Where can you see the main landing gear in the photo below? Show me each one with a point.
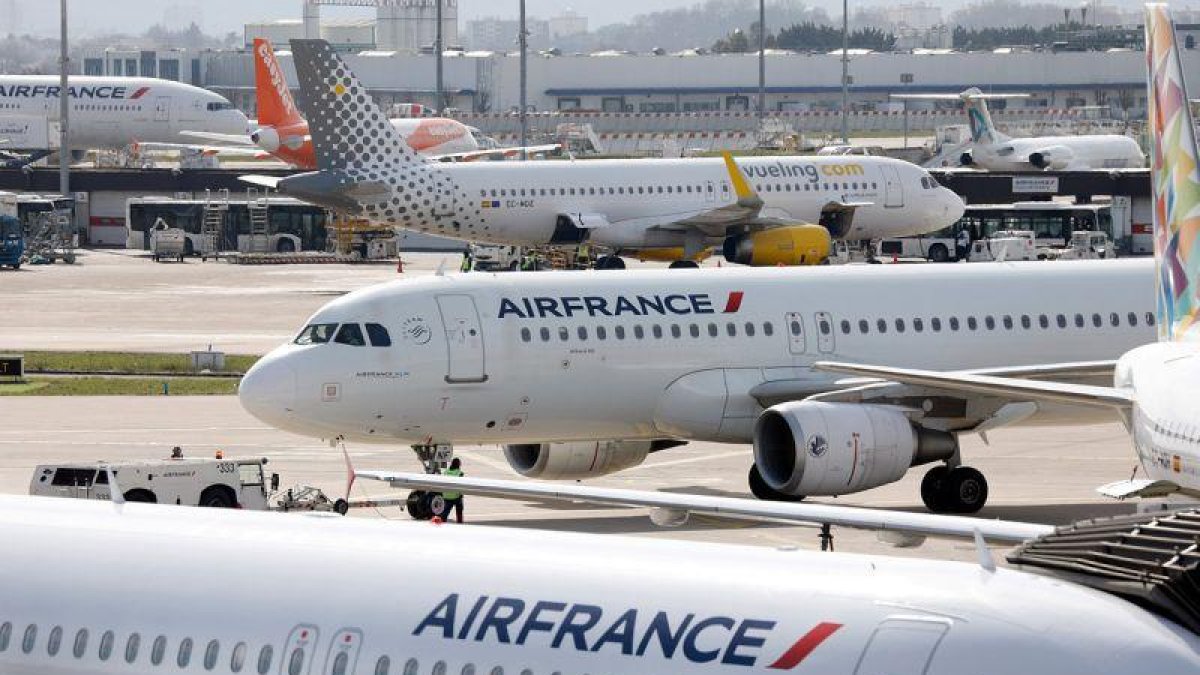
(961, 489)
(422, 504)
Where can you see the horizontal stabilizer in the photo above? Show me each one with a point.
(724, 507)
(1124, 489)
(232, 139)
(262, 181)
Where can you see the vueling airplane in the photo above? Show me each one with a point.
(1155, 386)
(995, 151)
(761, 211)
(95, 588)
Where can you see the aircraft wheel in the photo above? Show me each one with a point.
(683, 265)
(760, 489)
(435, 504)
(964, 490)
(931, 488)
(939, 253)
(610, 262)
(416, 505)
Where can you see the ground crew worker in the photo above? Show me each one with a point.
(527, 262)
(467, 261)
(963, 243)
(583, 257)
(453, 500)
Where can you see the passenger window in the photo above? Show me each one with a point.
(526, 335)
(676, 331)
(469, 669)
(794, 326)
(845, 327)
(694, 330)
(131, 648)
(350, 334)
(657, 331)
(1149, 322)
(990, 322)
(582, 333)
(5, 635)
(382, 665)
(316, 334)
(750, 328)
(439, 668)
(497, 671)
(918, 325)
(339, 664)
(545, 333)
(54, 641)
(731, 329)
(954, 323)
(411, 667)
(936, 323)
(863, 326)
(265, 655)
(1043, 321)
(157, 650)
(1025, 321)
(211, 652)
(296, 661)
(620, 332)
(1079, 321)
(899, 325)
(1132, 319)
(822, 325)
(971, 323)
(1114, 319)
(1061, 319)
(768, 328)
(601, 333)
(238, 658)
(639, 332)
(712, 330)
(1008, 322)
(185, 653)
(563, 333)
(106, 644)
(30, 638)
(881, 326)
(1096, 321)
(379, 335)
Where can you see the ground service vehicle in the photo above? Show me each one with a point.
(12, 242)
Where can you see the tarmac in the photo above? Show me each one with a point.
(121, 300)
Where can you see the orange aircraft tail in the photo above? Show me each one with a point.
(275, 104)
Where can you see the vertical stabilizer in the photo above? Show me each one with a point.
(275, 104)
(982, 129)
(1176, 183)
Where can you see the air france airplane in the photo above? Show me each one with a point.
(114, 112)
(761, 211)
(580, 374)
(100, 588)
(995, 151)
(1155, 385)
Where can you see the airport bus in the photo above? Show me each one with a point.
(1051, 222)
(292, 225)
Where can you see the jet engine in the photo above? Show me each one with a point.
(815, 448)
(966, 159)
(576, 460)
(788, 245)
(266, 138)
(1055, 157)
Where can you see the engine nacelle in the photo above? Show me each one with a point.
(788, 245)
(815, 448)
(572, 461)
(966, 159)
(1056, 157)
(266, 138)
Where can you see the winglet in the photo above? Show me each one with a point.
(741, 187)
(985, 554)
(114, 492)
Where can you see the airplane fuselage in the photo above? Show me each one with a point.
(1109, 151)
(1164, 421)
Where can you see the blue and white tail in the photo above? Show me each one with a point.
(1176, 183)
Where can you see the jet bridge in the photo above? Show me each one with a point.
(1152, 560)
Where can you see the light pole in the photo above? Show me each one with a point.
(906, 79)
(845, 72)
(762, 61)
(64, 104)
(438, 49)
(523, 41)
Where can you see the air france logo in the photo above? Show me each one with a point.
(636, 633)
(51, 91)
(542, 307)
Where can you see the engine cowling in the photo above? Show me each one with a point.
(788, 245)
(571, 461)
(266, 138)
(815, 448)
(1056, 157)
(966, 159)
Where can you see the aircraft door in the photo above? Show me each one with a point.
(825, 336)
(162, 109)
(902, 646)
(794, 325)
(464, 339)
(297, 656)
(343, 652)
(710, 191)
(892, 187)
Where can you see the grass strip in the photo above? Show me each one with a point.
(120, 386)
(123, 362)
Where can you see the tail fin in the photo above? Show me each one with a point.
(349, 131)
(1175, 180)
(982, 129)
(275, 104)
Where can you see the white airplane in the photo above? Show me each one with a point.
(113, 112)
(995, 151)
(117, 588)
(1155, 387)
(672, 208)
(580, 374)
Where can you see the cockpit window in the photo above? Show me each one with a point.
(379, 335)
(350, 334)
(316, 334)
(220, 105)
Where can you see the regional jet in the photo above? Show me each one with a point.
(761, 211)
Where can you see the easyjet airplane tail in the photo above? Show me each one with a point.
(1176, 182)
(275, 104)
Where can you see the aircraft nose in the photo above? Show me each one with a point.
(268, 390)
(953, 206)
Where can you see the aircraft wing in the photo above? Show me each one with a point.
(502, 153)
(228, 139)
(920, 524)
(990, 385)
(239, 151)
(261, 181)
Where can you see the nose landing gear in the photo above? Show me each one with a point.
(435, 458)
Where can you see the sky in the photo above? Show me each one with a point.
(96, 17)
